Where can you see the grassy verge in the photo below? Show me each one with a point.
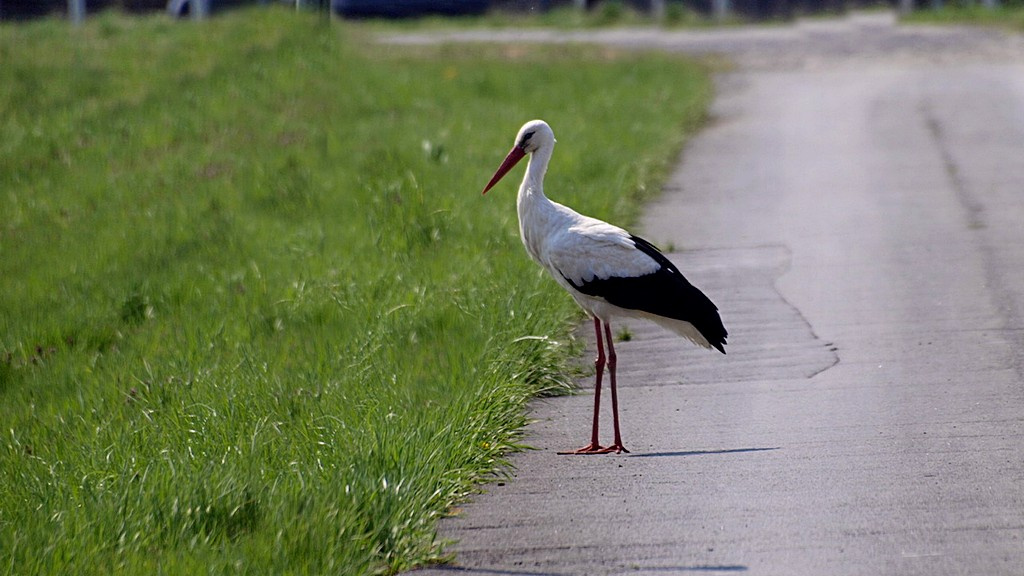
(606, 15)
(1010, 17)
(255, 316)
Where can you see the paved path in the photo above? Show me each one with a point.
(859, 219)
(858, 38)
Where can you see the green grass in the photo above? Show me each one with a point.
(255, 316)
(1010, 15)
(607, 14)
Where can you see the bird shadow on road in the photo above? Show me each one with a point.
(701, 452)
(637, 570)
(489, 571)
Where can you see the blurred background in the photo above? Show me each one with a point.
(656, 9)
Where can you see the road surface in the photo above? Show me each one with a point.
(858, 216)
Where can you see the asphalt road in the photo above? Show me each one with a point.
(859, 220)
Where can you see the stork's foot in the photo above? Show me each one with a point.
(618, 448)
(594, 448)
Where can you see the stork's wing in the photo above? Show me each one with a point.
(639, 277)
(594, 250)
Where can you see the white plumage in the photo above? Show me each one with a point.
(607, 270)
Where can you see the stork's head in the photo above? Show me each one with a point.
(534, 135)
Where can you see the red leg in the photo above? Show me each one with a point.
(595, 446)
(617, 447)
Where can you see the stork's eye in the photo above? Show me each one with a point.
(526, 138)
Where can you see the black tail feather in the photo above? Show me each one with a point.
(665, 292)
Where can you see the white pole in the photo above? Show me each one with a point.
(658, 10)
(720, 9)
(76, 11)
(200, 9)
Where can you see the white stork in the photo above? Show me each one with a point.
(609, 272)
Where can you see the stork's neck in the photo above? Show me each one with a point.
(537, 215)
(533, 182)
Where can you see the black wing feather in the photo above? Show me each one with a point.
(665, 292)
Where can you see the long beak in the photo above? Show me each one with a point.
(513, 158)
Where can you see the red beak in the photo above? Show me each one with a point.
(513, 158)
